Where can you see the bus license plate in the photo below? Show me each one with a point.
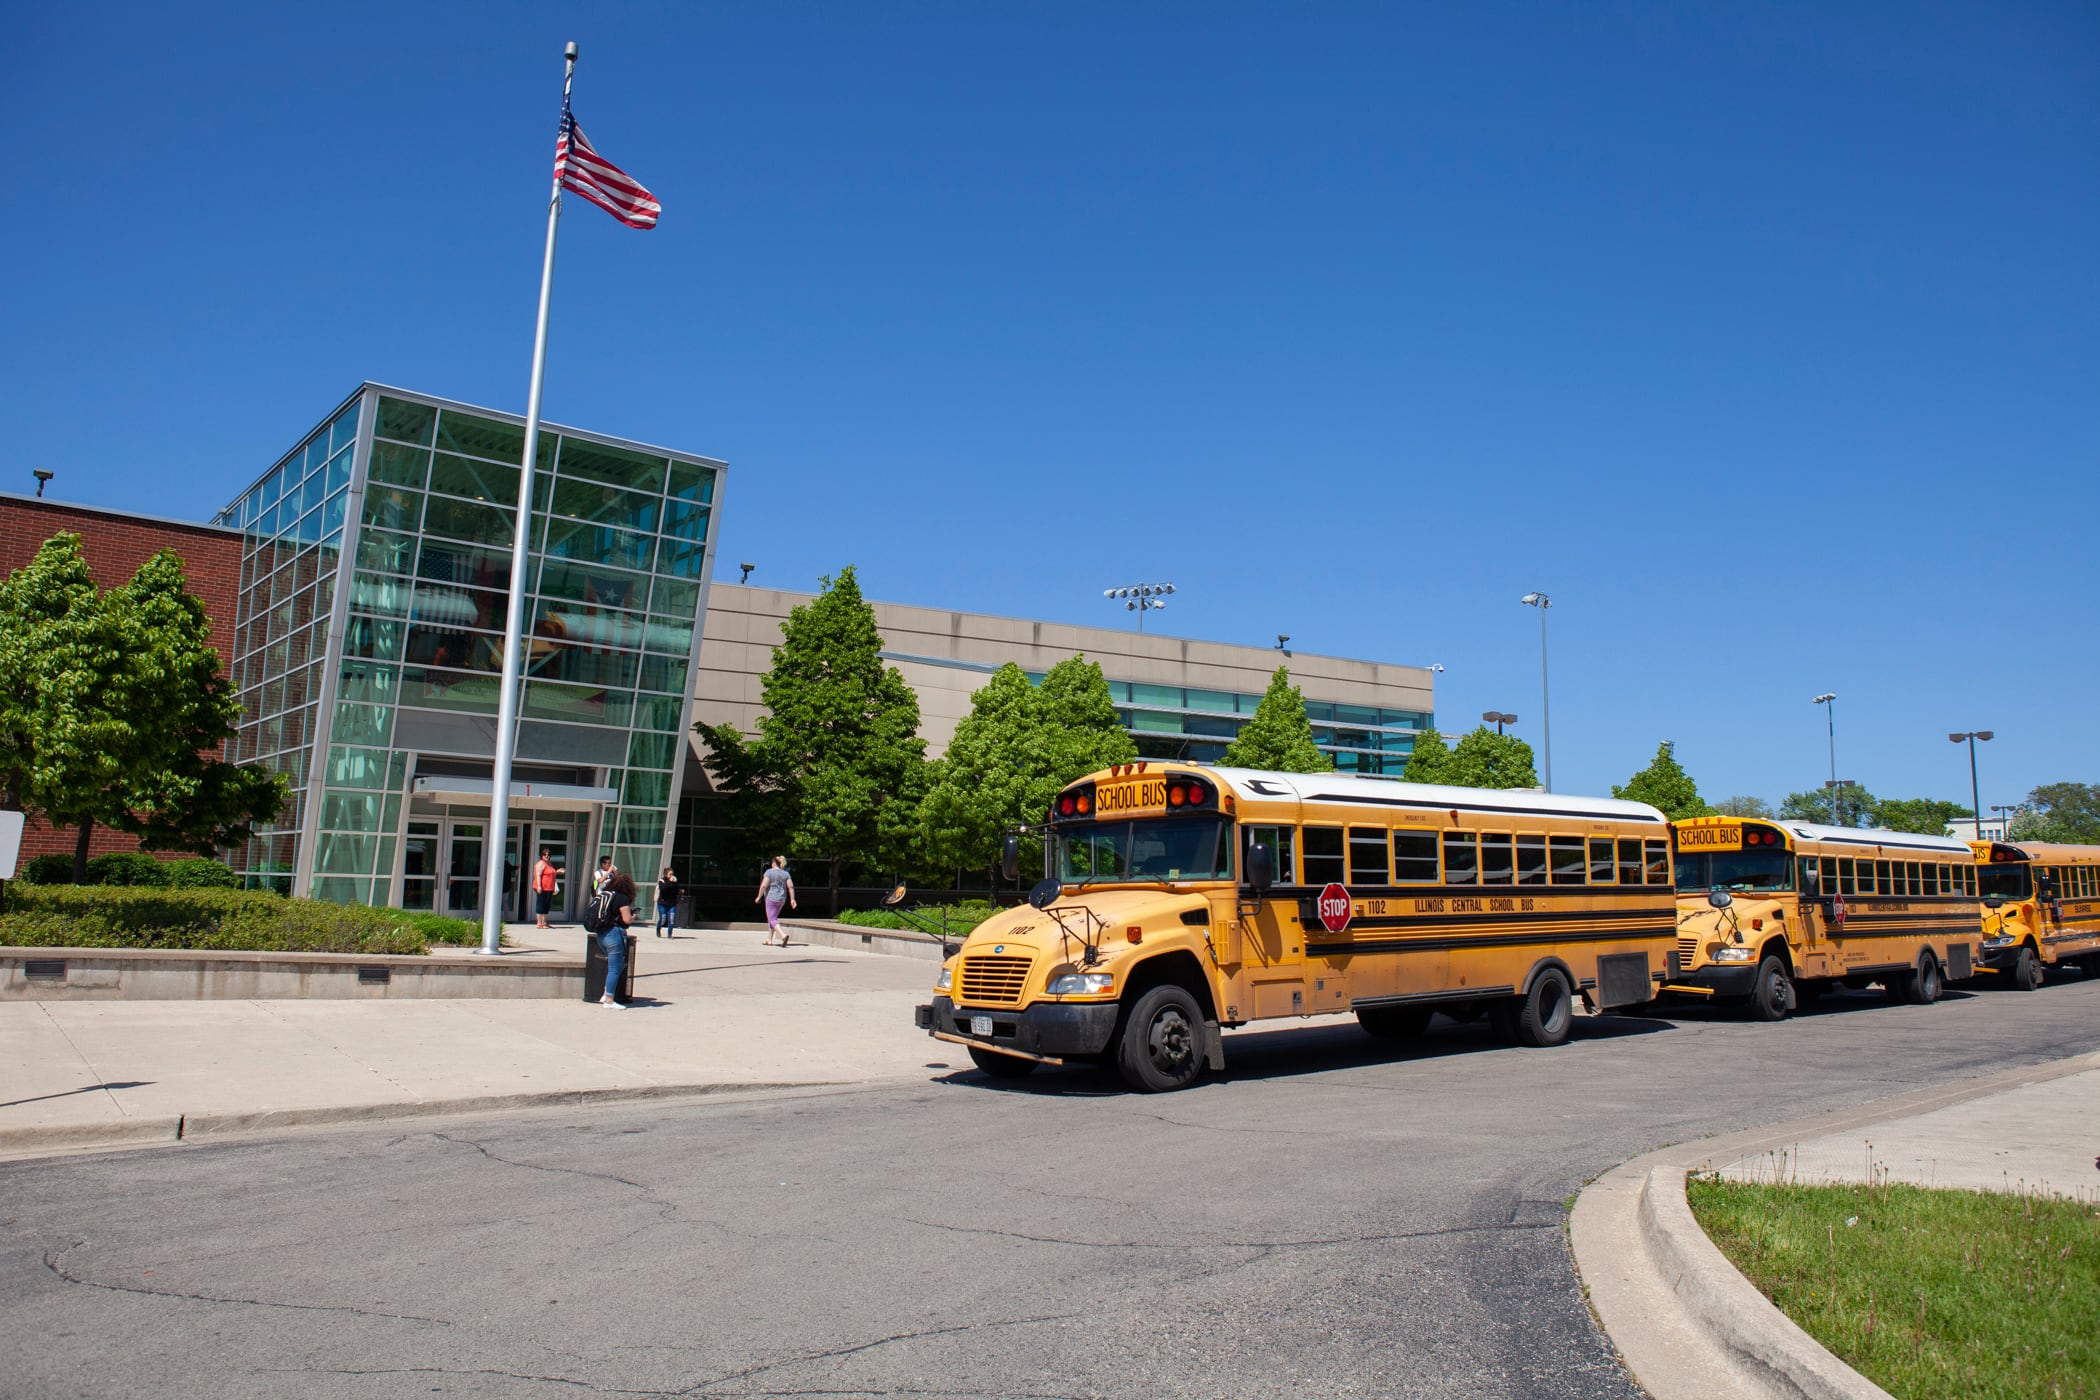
(1709, 838)
(980, 1025)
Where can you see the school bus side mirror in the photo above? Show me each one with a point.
(1010, 857)
(1261, 869)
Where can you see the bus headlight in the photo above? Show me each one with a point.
(945, 981)
(1082, 984)
(1733, 955)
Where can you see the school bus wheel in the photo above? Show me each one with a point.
(1393, 1022)
(1772, 994)
(1000, 1066)
(1161, 1045)
(1540, 1017)
(1926, 983)
(2027, 972)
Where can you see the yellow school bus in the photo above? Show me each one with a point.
(1770, 913)
(2041, 908)
(1183, 900)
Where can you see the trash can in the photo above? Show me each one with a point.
(594, 970)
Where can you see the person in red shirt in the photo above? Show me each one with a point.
(545, 875)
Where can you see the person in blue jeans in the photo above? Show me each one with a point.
(614, 939)
(666, 904)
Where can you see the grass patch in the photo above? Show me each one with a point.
(103, 916)
(961, 917)
(1970, 1294)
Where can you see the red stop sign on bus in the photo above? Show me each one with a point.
(1334, 909)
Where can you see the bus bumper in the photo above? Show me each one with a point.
(1730, 981)
(1046, 1029)
(2000, 953)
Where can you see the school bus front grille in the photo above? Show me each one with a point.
(1687, 953)
(993, 980)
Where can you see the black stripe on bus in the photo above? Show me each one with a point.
(1511, 916)
(1451, 943)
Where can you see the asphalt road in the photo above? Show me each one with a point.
(1333, 1218)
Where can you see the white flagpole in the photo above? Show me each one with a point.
(493, 891)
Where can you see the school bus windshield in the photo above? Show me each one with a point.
(1734, 870)
(1158, 848)
(2006, 881)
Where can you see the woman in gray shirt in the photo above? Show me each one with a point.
(775, 888)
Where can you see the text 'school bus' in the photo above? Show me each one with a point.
(1771, 913)
(2041, 907)
(1183, 899)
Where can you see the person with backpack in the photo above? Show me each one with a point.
(611, 914)
(775, 888)
(666, 904)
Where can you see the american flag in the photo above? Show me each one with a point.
(580, 168)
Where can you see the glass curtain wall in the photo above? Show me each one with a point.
(617, 567)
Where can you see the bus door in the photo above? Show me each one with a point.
(1270, 978)
(1817, 893)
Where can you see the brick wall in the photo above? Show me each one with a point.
(115, 543)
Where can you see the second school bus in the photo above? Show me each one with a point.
(1771, 912)
(1183, 899)
(2041, 908)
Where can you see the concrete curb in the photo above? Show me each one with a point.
(30, 1141)
(1687, 1323)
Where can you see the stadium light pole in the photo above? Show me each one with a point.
(1141, 598)
(1542, 602)
(1830, 715)
(1975, 796)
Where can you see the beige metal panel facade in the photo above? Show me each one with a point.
(947, 655)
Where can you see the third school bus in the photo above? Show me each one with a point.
(2042, 907)
(1772, 912)
(1182, 899)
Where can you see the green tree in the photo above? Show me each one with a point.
(1430, 760)
(112, 706)
(1011, 754)
(1279, 738)
(2068, 812)
(1925, 816)
(837, 768)
(1855, 806)
(1664, 785)
(1743, 807)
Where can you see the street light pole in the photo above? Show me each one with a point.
(2004, 820)
(1830, 714)
(1975, 794)
(1542, 602)
(1498, 719)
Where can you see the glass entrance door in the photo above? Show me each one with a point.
(419, 866)
(554, 838)
(463, 869)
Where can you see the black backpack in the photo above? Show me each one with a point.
(602, 914)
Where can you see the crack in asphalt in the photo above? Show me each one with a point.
(52, 1263)
(1267, 1245)
(836, 1352)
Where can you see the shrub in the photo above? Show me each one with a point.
(197, 873)
(46, 870)
(440, 928)
(127, 868)
(961, 917)
(84, 916)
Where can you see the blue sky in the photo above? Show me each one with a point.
(1765, 339)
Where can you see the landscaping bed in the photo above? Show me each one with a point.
(961, 917)
(108, 916)
(1926, 1293)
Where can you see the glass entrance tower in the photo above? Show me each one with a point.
(368, 650)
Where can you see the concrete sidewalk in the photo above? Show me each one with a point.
(714, 1011)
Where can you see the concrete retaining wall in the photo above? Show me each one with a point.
(138, 974)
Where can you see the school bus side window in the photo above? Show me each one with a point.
(1881, 878)
(1629, 861)
(1600, 860)
(1968, 881)
(1497, 866)
(1367, 856)
(1324, 864)
(1658, 862)
(1531, 860)
(1844, 876)
(1414, 857)
(1461, 858)
(1567, 860)
(1277, 841)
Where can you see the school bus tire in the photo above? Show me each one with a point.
(1926, 984)
(1772, 994)
(1160, 1046)
(1393, 1022)
(1542, 1016)
(2027, 970)
(1000, 1066)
